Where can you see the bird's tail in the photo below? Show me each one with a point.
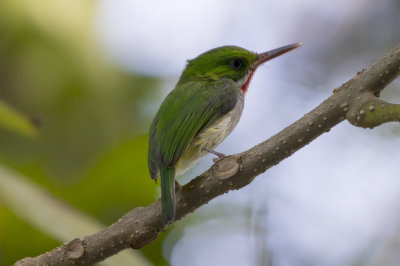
(167, 193)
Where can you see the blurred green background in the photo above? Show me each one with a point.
(91, 145)
(74, 114)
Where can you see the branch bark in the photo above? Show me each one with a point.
(356, 100)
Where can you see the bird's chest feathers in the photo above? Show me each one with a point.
(215, 133)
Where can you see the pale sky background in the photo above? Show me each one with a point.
(331, 202)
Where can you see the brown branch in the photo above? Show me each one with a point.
(142, 225)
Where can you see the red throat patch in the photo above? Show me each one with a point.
(245, 86)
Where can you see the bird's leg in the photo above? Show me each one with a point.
(214, 152)
(220, 155)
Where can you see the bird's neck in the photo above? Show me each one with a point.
(245, 82)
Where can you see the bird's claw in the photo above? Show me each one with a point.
(177, 186)
(216, 160)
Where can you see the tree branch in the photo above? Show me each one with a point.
(139, 227)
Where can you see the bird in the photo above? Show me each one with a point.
(199, 113)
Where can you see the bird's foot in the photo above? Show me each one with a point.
(177, 186)
(220, 155)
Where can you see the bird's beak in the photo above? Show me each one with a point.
(263, 57)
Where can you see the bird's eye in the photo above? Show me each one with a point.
(236, 64)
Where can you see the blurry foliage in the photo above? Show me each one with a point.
(14, 121)
(122, 165)
(91, 150)
(19, 238)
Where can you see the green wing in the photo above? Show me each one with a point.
(183, 114)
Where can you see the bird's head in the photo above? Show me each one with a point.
(229, 62)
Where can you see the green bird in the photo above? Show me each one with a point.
(200, 112)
